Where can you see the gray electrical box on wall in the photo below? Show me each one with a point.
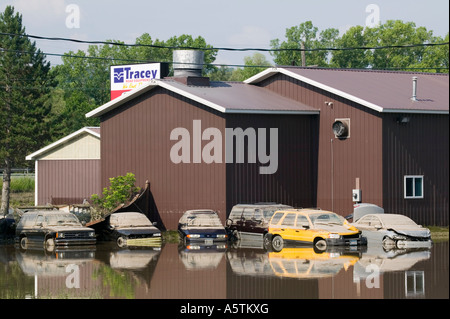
(356, 194)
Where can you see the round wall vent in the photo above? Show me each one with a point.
(341, 128)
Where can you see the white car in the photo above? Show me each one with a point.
(393, 230)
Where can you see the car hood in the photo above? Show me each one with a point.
(138, 230)
(334, 228)
(412, 232)
(69, 228)
(204, 230)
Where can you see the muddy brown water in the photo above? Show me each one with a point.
(224, 271)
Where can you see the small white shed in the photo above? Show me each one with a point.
(68, 170)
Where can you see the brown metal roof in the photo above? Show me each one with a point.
(240, 97)
(384, 91)
(226, 97)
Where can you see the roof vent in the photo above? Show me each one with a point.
(414, 93)
(187, 63)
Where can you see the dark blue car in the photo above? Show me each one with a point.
(202, 226)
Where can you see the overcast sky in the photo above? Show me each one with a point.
(224, 23)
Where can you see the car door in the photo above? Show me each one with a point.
(258, 226)
(236, 218)
(370, 226)
(288, 227)
(37, 232)
(302, 229)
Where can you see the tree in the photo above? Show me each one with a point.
(357, 59)
(304, 37)
(25, 83)
(253, 65)
(396, 33)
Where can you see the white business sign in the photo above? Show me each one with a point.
(125, 78)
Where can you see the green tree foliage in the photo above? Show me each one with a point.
(304, 36)
(25, 84)
(391, 33)
(121, 190)
(253, 65)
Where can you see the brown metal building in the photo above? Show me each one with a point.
(398, 130)
(68, 170)
(395, 147)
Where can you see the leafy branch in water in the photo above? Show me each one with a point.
(121, 190)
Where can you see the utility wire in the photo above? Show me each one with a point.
(199, 64)
(220, 49)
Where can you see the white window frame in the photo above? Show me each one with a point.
(414, 177)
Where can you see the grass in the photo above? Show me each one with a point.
(439, 233)
(21, 184)
(171, 236)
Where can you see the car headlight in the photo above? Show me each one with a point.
(92, 234)
(335, 236)
(157, 235)
(193, 236)
(221, 236)
(60, 235)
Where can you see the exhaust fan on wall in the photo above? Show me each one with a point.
(341, 128)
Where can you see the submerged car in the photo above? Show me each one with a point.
(132, 229)
(52, 228)
(251, 220)
(393, 230)
(312, 227)
(202, 225)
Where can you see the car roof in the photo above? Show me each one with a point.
(200, 211)
(306, 211)
(46, 212)
(263, 205)
(387, 218)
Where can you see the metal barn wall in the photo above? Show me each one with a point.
(136, 138)
(295, 180)
(340, 162)
(419, 147)
(67, 181)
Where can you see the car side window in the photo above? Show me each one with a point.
(289, 220)
(258, 214)
(302, 221)
(236, 214)
(248, 213)
(364, 221)
(276, 218)
(375, 222)
(39, 220)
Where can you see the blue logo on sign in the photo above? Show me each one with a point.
(118, 75)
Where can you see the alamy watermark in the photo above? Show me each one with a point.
(73, 17)
(185, 151)
(373, 19)
(73, 279)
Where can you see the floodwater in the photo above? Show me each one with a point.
(226, 271)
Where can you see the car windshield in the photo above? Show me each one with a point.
(203, 220)
(326, 218)
(129, 220)
(62, 220)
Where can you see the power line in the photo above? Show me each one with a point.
(199, 64)
(223, 48)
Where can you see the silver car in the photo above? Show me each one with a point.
(393, 230)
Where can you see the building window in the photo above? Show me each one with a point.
(413, 186)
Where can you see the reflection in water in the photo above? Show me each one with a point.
(226, 271)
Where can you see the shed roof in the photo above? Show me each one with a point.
(94, 131)
(225, 97)
(383, 91)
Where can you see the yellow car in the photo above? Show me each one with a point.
(312, 227)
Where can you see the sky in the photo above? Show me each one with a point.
(224, 23)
